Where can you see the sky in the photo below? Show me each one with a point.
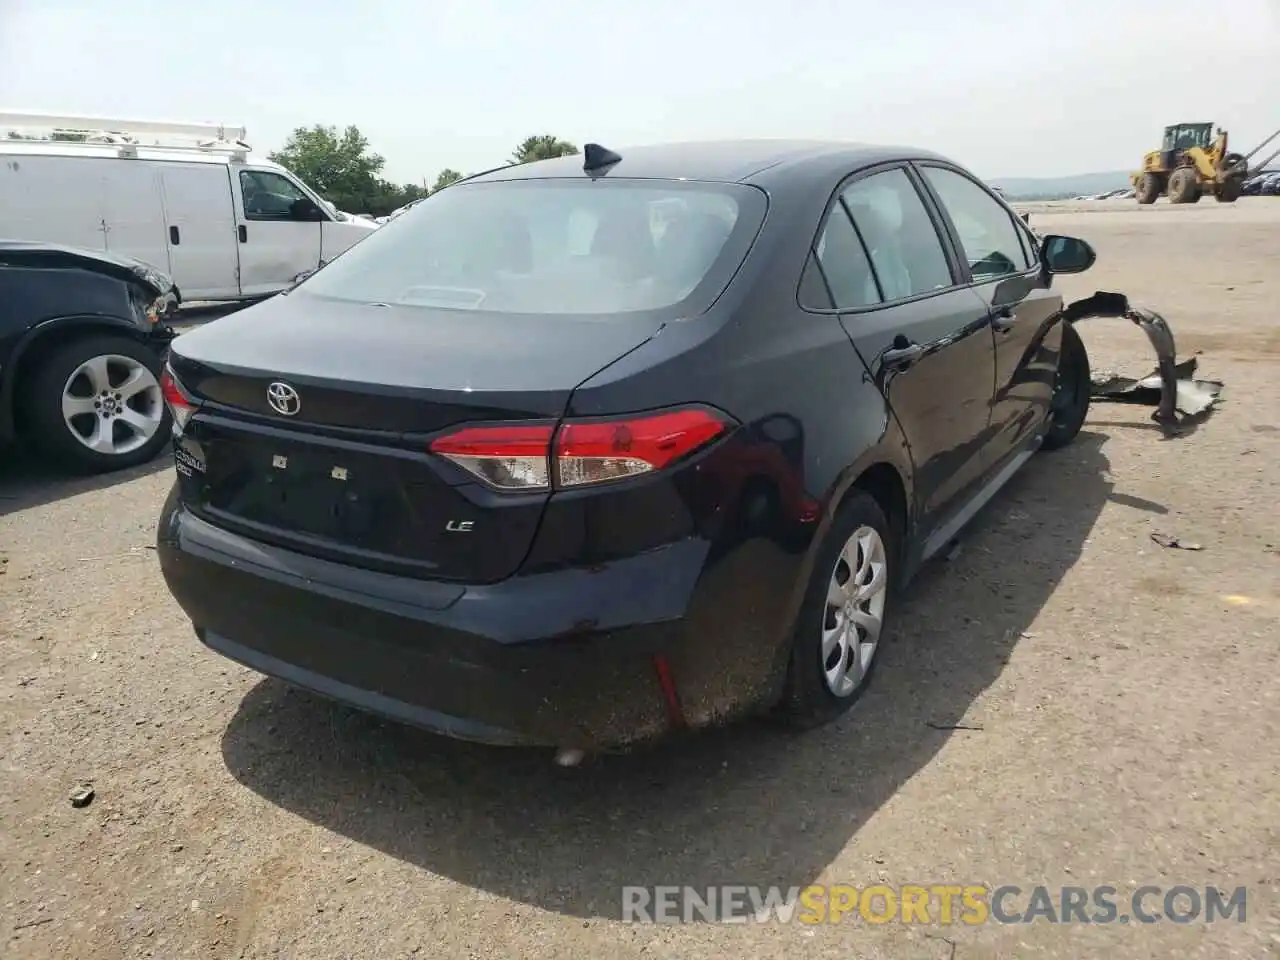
(1030, 88)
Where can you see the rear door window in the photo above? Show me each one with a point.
(813, 292)
(844, 263)
(986, 230)
(900, 238)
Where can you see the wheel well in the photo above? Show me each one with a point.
(885, 485)
(38, 350)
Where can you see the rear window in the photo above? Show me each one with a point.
(555, 247)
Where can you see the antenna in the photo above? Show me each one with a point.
(597, 159)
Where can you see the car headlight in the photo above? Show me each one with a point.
(155, 310)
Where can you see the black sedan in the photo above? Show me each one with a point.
(82, 341)
(579, 452)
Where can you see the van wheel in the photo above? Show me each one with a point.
(95, 404)
(844, 618)
(1069, 405)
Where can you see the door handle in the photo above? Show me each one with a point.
(902, 354)
(1002, 319)
(174, 236)
(244, 233)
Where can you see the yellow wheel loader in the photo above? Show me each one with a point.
(1191, 162)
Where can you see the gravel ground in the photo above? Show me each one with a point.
(1122, 700)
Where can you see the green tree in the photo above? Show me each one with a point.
(341, 168)
(408, 192)
(447, 176)
(542, 147)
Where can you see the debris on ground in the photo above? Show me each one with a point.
(82, 796)
(1173, 543)
(1192, 397)
(1169, 386)
(32, 923)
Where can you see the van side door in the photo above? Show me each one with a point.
(53, 199)
(278, 230)
(200, 224)
(132, 210)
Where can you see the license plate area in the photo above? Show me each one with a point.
(333, 494)
(315, 496)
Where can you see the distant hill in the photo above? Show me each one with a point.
(1046, 188)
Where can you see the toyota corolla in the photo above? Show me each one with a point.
(579, 452)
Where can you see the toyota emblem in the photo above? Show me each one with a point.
(284, 399)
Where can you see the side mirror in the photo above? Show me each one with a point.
(1066, 254)
(305, 210)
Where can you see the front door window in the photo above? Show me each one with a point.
(269, 196)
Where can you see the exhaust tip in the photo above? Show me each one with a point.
(566, 757)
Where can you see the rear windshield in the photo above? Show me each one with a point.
(554, 247)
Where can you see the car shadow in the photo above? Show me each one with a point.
(750, 804)
(27, 480)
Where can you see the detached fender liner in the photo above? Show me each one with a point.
(1178, 393)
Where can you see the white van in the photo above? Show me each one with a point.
(222, 225)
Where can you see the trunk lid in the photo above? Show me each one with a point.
(347, 475)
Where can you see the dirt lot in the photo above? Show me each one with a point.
(1124, 695)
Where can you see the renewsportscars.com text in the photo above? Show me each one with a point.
(943, 904)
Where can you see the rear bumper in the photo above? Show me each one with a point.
(559, 659)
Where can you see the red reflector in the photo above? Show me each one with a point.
(667, 681)
(595, 451)
(180, 405)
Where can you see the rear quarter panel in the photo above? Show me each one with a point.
(811, 421)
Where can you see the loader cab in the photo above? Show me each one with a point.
(1182, 137)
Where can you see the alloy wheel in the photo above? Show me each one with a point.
(854, 614)
(112, 404)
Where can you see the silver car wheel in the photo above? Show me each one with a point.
(854, 612)
(112, 404)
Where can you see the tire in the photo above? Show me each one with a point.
(1149, 188)
(810, 699)
(1183, 186)
(1229, 190)
(1069, 405)
(140, 422)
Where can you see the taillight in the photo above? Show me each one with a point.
(593, 452)
(506, 457)
(180, 405)
(536, 457)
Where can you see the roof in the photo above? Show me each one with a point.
(721, 160)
